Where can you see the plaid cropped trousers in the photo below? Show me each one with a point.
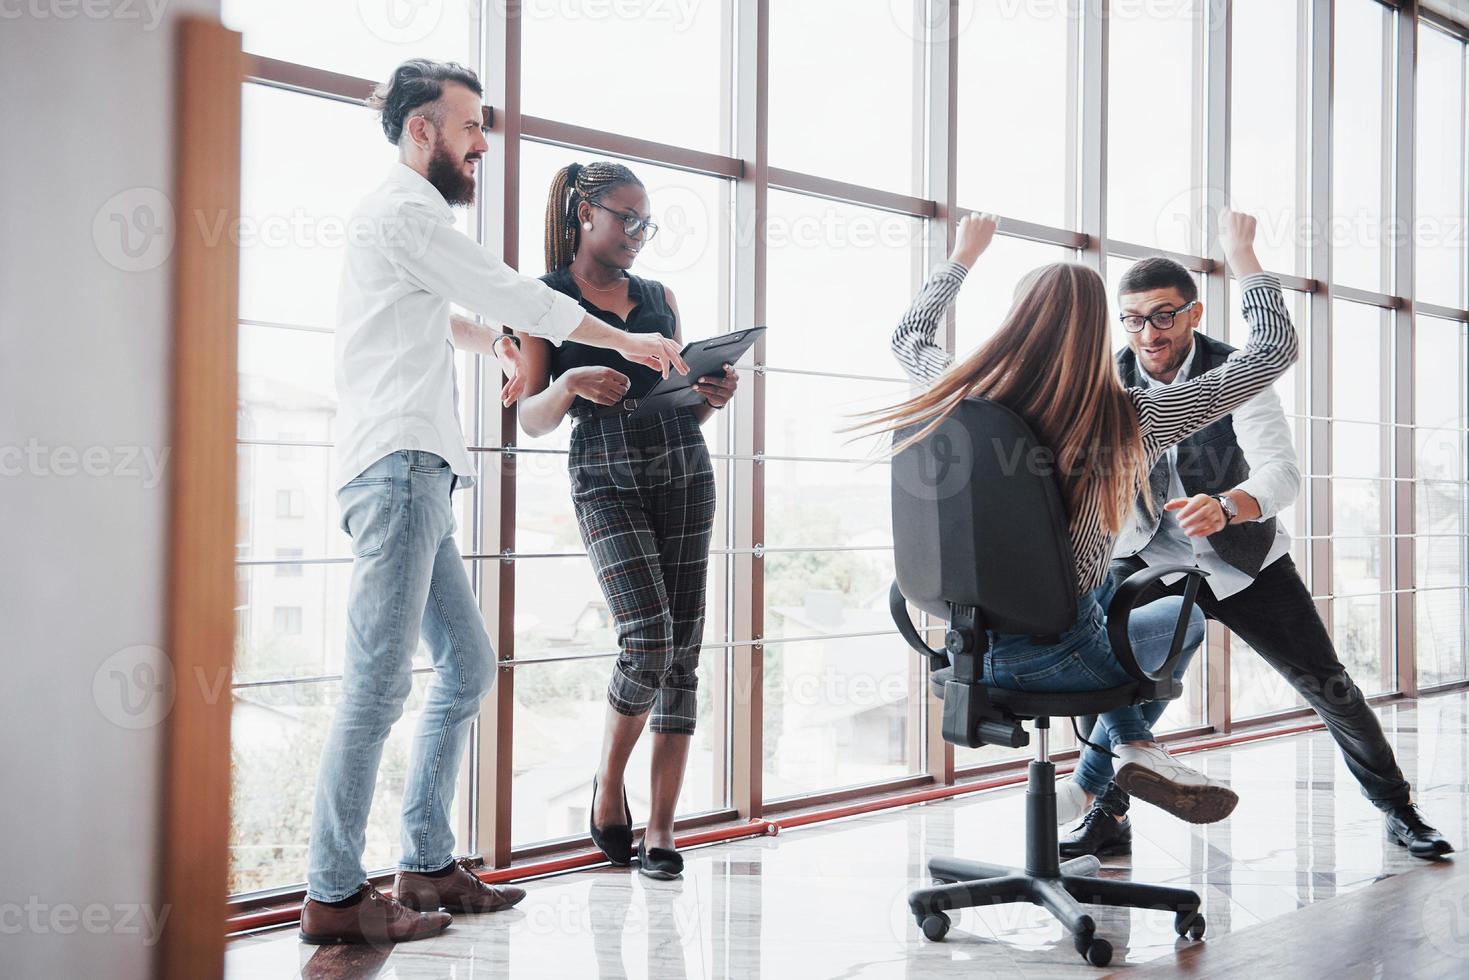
(644, 496)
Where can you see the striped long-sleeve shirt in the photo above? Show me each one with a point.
(1166, 414)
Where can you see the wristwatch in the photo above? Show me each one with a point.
(1228, 506)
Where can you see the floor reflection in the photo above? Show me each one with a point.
(830, 900)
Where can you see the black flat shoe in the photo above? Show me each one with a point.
(1407, 828)
(660, 862)
(1099, 833)
(615, 840)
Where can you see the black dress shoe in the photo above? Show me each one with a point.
(1099, 833)
(659, 862)
(1407, 828)
(614, 840)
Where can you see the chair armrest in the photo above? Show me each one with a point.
(1120, 611)
(898, 606)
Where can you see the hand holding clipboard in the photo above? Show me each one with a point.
(705, 359)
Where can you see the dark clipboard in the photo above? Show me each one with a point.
(705, 358)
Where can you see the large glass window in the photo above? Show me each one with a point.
(836, 705)
(366, 38)
(1441, 499)
(645, 68)
(1361, 161)
(872, 133)
(1267, 112)
(1017, 144)
(848, 104)
(1155, 125)
(1440, 232)
(1361, 493)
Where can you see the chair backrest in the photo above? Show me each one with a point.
(978, 520)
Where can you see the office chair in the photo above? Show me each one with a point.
(981, 541)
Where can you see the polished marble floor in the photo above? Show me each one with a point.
(829, 900)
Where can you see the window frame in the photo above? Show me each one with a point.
(739, 433)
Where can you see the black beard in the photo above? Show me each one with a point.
(445, 173)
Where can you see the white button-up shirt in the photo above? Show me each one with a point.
(405, 263)
(1264, 436)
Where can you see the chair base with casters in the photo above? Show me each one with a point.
(975, 714)
(1059, 887)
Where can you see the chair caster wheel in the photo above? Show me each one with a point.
(1098, 952)
(1191, 925)
(935, 926)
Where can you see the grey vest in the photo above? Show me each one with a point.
(1209, 461)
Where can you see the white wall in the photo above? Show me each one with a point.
(84, 354)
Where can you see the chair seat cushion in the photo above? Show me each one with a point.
(1049, 704)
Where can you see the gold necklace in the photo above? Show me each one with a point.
(600, 289)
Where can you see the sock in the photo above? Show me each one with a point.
(443, 872)
(347, 902)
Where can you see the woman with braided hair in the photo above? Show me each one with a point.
(643, 490)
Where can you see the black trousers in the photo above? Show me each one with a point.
(1275, 616)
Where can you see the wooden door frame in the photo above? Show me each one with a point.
(195, 781)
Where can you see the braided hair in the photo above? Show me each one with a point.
(573, 184)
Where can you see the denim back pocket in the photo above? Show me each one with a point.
(367, 508)
(1060, 667)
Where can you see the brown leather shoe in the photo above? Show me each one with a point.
(375, 919)
(459, 891)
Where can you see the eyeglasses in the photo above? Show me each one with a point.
(1162, 320)
(632, 225)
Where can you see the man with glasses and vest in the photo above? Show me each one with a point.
(1214, 498)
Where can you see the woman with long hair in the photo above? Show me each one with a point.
(643, 490)
(1051, 364)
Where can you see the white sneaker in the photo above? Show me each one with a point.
(1151, 774)
(1071, 801)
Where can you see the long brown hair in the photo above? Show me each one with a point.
(573, 184)
(1051, 364)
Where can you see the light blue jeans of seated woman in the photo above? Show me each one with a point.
(1082, 660)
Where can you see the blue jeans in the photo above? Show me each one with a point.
(1082, 660)
(408, 580)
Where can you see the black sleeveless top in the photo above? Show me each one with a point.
(650, 314)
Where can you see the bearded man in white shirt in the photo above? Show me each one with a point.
(1214, 500)
(400, 454)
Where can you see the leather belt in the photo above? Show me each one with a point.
(624, 407)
